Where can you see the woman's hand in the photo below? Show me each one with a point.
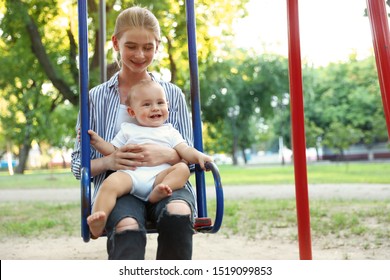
(153, 154)
(128, 157)
(131, 156)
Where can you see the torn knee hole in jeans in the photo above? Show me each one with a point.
(178, 207)
(127, 223)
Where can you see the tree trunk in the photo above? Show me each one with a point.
(244, 155)
(25, 147)
(342, 157)
(9, 159)
(23, 156)
(317, 154)
(234, 150)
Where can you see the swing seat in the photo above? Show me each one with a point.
(202, 224)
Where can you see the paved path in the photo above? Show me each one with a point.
(320, 191)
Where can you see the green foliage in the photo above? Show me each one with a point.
(60, 130)
(236, 94)
(313, 133)
(39, 75)
(39, 79)
(344, 101)
(213, 26)
(340, 137)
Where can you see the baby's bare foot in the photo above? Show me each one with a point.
(159, 192)
(97, 222)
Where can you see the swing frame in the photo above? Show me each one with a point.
(202, 222)
(376, 10)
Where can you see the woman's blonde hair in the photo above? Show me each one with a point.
(137, 17)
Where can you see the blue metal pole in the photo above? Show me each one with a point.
(195, 104)
(219, 195)
(84, 115)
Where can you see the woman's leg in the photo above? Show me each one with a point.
(174, 216)
(126, 234)
(114, 186)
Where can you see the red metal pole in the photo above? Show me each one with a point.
(381, 40)
(298, 131)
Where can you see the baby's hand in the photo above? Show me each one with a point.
(90, 132)
(203, 160)
(95, 138)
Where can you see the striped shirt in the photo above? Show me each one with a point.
(104, 102)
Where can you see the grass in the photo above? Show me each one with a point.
(258, 219)
(231, 175)
(39, 219)
(368, 221)
(356, 172)
(39, 179)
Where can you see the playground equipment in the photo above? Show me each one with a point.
(381, 41)
(202, 223)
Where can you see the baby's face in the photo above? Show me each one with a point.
(149, 106)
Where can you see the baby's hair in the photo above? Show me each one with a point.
(146, 83)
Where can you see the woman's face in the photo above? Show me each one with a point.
(137, 48)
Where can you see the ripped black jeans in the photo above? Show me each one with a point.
(175, 232)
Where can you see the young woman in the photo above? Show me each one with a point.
(136, 39)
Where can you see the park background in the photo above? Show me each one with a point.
(243, 76)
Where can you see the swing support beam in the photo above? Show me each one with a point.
(84, 118)
(298, 131)
(381, 40)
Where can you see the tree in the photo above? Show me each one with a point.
(313, 135)
(346, 95)
(236, 94)
(27, 65)
(340, 137)
(39, 36)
